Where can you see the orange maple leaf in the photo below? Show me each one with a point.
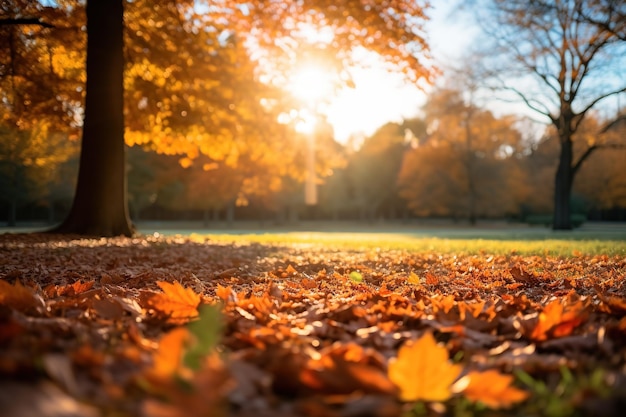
(490, 388)
(558, 320)
(167, 360)
(422, 371)
(178, 303)
(223, 292)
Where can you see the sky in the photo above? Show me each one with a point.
(380, 97)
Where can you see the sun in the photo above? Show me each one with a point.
(311, 84)
(373, 97)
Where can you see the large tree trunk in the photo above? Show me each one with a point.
(100, 205)
(563, 187)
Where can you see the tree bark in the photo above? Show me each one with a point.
(563, 187)
(100, 204)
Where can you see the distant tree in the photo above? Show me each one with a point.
(601, 181)
(563, 59)
(30, 160)
(458, 168)
(374, 168)
(539, 166)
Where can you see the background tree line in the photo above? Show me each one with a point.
(458, 161)
(200, 84)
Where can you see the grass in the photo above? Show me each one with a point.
(412, 243)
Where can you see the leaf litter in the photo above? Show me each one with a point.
(168, 326)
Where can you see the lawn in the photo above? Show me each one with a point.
(313, 324)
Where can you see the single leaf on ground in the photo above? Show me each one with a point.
(490, 388)
(207, 330)
(167, 361)
(422, 371)
(18, 296)
(558, 320)
(178, 303)
(413, 279)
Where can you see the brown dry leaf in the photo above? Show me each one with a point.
(178, 303)
(18, 296)
(491, 388)
(422, 371)
(558, 320)
(519, 274)
(108, 308)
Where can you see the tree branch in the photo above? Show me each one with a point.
(597, 100)
(530, 103)
(612, 123)
(593, 148)
(25, 21)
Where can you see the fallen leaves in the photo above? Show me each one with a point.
(422, 371)
(493, 389)
(306, 332)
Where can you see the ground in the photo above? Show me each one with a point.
(208, 325)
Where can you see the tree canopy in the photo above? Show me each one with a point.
(192, 70)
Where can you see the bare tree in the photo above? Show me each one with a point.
(609, 15)
(562, 59)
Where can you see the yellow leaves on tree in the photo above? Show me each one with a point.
(491, 388)
(177, 303)
(558, 320)
(422, 371)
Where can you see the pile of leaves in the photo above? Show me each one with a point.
(158, 326)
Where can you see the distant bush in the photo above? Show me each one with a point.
(546, 219)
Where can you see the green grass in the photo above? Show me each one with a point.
(461, 246)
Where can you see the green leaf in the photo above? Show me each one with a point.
(207, 331)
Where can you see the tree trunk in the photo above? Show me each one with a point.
(100, 205)
(563, 187)
(230, 214)
(12, 222)
(206, 218)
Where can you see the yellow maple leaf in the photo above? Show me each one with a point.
(177, 302)
(490, 388)
(422, 371)
(413, 279)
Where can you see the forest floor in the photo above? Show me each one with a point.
(206, 326)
